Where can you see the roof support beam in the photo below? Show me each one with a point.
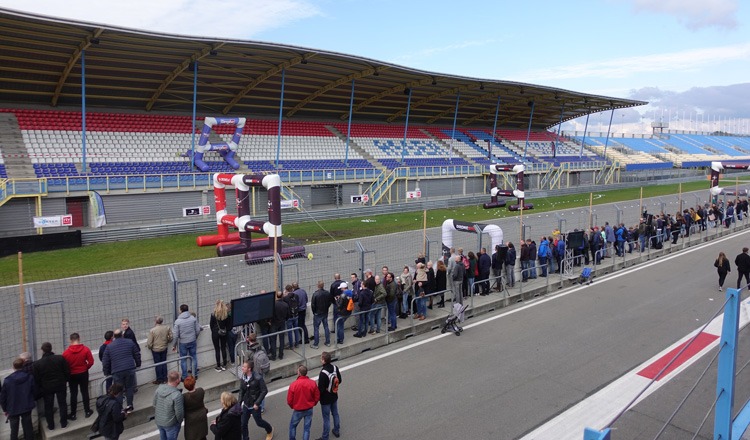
(330, 86)
(431, 98)
(72, 62)
(468, 103)
(264, 76)
(178, 70)
(387, 92)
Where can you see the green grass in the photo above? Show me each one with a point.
(106, 257)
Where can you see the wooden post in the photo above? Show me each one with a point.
(591, 209)
(424, 234)
(640, 204)
(520, 236)
(23, 302)
(679, 192)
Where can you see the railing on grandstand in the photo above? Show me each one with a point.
(147, 367)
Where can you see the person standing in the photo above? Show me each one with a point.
(328, 385)
(278, 323)
(391, 301)
(378, 305)
(80, 360)
(743, 267)
(220, 326)
(441, 282)
(111, 415)
(253, 391)
(542, 255)
(158, 341)
(335, 291)
(51, 374)
(186, 330)
(321, 302)
(722, 267)
(366, 298)
(302, 310)
(457, 280)
(342, 305)
(17, 400)
(292, 319)
(497, 269)
(302, 397)
(127, 331)
(227, 425)
(484, 266)
(169, 407)
(120, 361)
(510, 265)
(196, 413)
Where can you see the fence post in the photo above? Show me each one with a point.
(727, 366)
(31, 322)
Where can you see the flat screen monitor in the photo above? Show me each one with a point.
(252, 308)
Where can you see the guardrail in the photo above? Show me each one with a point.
(141, 368)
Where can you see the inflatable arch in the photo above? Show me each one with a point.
(227, 150)
(716, 169)
(518, 170)
(450, 225)
(239, 243)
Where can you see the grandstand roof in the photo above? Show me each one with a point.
(135, 70)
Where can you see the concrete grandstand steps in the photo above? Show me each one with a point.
(447, 147)
(369, 157)
(15, 155)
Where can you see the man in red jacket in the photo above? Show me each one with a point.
(80, 360)
(302, 397)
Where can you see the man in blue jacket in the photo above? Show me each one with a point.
(17, 400)
(120, 360)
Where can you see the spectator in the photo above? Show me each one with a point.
(51, 374)
(220, 326)
(278, 323)
(196, 413)
(524, 260)
(532, 257)
(722, 267)
(497, 268)
(378, 298)
(407, 289)
(17, 400)
(253, 392)
(743, 267)
(441, 282)
(261, 363)
(510, 265)
(542, 253)
(120, 360)
(111, 415)
(186, 330)
(158, 341)
(302, 310)
(484, 265)
(391, 301)
(457, 279)
(321, 302)
(227, 425)
(80, 360)
(420, 290)
(365, 301)
(127, 332)
(328, 385)
(108, 335)
(335, 291)
(344, 312)
(302, 397)
(169, 407)
(292, 319)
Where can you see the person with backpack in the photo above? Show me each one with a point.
(261, 362)
(542, 253)
(253, 391)
(328, 384)
(345, 305)
(109, 421)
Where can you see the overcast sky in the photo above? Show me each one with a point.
(689, 58)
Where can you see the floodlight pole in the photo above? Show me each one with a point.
(586, 127)
(559, 127)
(453, 133)
(195, 98)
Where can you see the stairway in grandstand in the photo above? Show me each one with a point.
(16, 158)
(356, 147)
(447, 146)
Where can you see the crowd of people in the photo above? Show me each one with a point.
(376, 301)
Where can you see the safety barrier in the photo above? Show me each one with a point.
(141, 368)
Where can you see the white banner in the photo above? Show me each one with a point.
(290, 204)
(360, 198)
(196, 210)
(53, 221)
(414, 194)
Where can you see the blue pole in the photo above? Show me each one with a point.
(406, 127)
(528, 132)
(83, 110)
(606, 140)
(281, 109)
(559, 127)
(494, 129)
(727, 367)
(453, 133)
(586, 127)
(195, 98)
(349, 127)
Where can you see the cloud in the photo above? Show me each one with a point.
(432, 51)
(625, 67)
(726, 101)
(229, 19)
(694, 14)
